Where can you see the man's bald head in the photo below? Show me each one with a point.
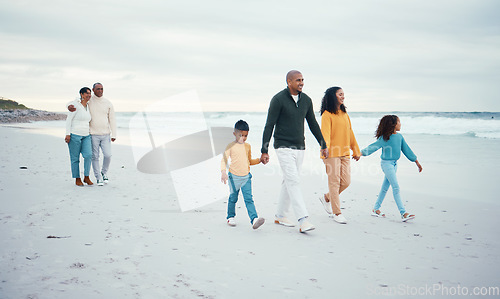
(294, 81)
(290, 74)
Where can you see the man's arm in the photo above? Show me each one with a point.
(112, 121)
(314, 127)
(272, 117)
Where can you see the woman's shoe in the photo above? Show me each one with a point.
(406, 216)
(378, 213)
(87, 181)
(78, 182)
(326, 204)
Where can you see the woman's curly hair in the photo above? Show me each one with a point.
(330, 101)
(386, 126)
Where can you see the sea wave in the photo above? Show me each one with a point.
(473, 124)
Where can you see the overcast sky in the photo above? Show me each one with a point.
(388, 55)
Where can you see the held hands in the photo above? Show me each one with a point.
(113, 139)
(71, 108)
(264, 158)
(224, 177)
(356, 157)
(67, 138)
(325, 153)
(419, 166)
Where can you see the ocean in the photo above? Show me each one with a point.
(472, 124)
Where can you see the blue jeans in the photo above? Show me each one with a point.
(245, 184)
(389, 167)
(80, 144)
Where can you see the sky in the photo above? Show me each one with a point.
(387, 55)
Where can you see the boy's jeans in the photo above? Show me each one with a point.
(80, 144)
(104, 142)
(245, 184)
(389, 167)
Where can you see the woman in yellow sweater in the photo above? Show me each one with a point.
(339, 137)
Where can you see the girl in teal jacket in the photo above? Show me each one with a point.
(392, 144)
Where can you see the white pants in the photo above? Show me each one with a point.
(103, 142)
(291, 162)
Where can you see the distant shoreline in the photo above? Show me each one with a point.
(28, 115)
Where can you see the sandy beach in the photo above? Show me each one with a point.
(129, 239)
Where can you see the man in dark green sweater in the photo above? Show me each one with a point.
(286, 115)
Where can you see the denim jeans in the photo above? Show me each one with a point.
(389, 167)
(104, 142)
(245, 184)
(80, 144)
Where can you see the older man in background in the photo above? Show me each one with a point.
(102, 131)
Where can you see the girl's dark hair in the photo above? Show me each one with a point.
(84, 90)
(386, 126)
(330, 101)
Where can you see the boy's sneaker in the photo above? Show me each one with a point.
(306, 226)
(340, 219)
(231, 222)
(100, 183)
(257, 222)
(283, 221)
(104, 177)
(406, 216)
(326, 205)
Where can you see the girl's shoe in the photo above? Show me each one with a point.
(378, 213)
(78, 182)
(406, 216)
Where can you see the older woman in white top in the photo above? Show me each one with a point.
(78, 137)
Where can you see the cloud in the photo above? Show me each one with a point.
(236, 54)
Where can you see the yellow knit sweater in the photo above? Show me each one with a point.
(241, 158)
(338, 134)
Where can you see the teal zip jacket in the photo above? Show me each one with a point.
(287, 118)
(391, 149)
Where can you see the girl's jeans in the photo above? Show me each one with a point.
(389, 168)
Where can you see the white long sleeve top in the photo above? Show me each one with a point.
(77, 122)
(103, 117)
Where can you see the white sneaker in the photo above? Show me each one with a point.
(283, 221)
(340, 219)
(306, 226)
(257, 222)
(100, 183)
(231, 222)
(326, 205)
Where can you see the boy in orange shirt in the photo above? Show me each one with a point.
(239, 176)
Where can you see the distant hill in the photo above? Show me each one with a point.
(10, 104)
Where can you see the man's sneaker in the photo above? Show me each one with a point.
(100, 183)
(231, 222)
(340, 219)
(104, 178)
(283, 221)
(406, 216)
(326, 205)
(306, 226)
(257, 222)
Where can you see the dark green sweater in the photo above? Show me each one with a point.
(288, 118)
